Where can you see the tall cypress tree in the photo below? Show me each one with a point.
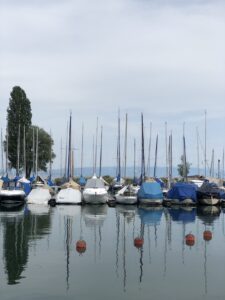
(19, 116)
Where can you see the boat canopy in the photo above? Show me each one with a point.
(182, 191)
(150, 190)
(94, 183)
(209, 187)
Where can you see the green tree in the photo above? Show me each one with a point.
(19, 117)
(182, 171)
(45, 152)
(19, 121)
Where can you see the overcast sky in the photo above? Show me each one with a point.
(165, 58)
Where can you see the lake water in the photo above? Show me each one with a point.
(39, 259)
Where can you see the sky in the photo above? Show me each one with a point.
(164, 58)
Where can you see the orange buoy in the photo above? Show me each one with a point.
(81, 246)
(207, 235)
(190, 239)
(138, 242)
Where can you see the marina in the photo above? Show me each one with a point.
(123, 252)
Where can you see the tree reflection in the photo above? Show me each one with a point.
(20, 226)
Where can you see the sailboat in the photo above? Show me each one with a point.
(11, 192)
(183, 193)
(128, 193)
(94, 190)
(41, 192)
(70, 191)
(150, 191)
(118, 181)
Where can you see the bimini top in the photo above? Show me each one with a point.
(94, 182)
(182, 191)
(150, 190)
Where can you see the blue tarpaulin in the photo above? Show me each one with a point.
(150, 190)
(182, 191)
(82, 181)
(5, 179)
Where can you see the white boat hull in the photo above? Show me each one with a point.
(12, 196)
(68, 196)
(147, 201)
(209, 201)
(39, 195)
(95, 195)
(187, 201)
(121, 199)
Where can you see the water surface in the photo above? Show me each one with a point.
(39, 259)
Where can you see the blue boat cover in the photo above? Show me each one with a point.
(159, 181)
(31, 179)
(26, 187)
(49, 181)
(150, 190)
(82, 181)
(182, 191)
(183, 215)
(5, 179)
(150, 216)
(16, 178)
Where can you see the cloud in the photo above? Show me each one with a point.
(166, 60)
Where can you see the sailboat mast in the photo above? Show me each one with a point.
(218, 168)
(184, 160)
(149, 151)
(61, 160)
(119, 165)
(96, 147)
(7, 151)
(69, 151)
(82, 149)
(197, 150)
(93, 153)
(166, 149)
(134, 158)
(50, 156)
(125, 149)
(36, 164)
(18, 152)
(223, 165)
(66, 152)
(24, 151)
(170, 161)
(156, 155)
(100, 160)
(33, 150)
(2, 150)
(143, 149)
(205, 143)
(212, 164)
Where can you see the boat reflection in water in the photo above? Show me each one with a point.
(94, 215)
(184, 214)
(20, 227)
(208, 214)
